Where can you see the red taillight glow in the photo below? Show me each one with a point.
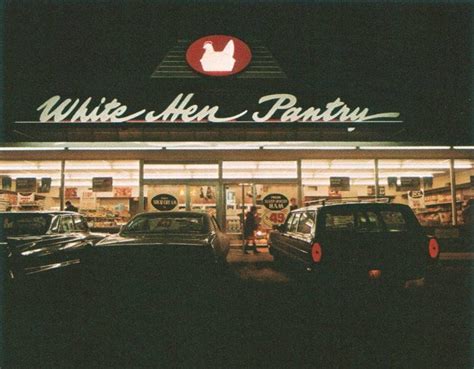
(433, 248)
(317, 252)
(375, 273)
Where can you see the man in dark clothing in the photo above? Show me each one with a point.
(293, 204)
(250, 226)
(71, 207)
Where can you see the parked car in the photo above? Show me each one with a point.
(357, 242)
(36, 242)
(157, 243)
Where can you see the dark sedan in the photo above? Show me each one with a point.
(161, 243)
(38, 242)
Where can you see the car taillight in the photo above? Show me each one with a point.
(433, 248)
(316, 252)
(375, 273)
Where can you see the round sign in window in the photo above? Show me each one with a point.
(275, 201)
(218, 55)
(164, 202)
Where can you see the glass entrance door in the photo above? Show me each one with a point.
(273, 202)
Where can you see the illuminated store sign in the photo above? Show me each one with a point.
(218, 55)
(275, 107)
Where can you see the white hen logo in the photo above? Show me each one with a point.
(218, 61)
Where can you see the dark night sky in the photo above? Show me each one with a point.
(414, 58)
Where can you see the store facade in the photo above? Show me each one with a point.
(157, 117)
(111, 186)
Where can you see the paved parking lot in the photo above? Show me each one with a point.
(257, 315)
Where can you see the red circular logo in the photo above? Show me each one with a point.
(218, 55)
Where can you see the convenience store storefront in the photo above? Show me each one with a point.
(110, 186)
(329, 102)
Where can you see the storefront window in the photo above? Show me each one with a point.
(464, 175)
(335, 179)
(105, 191)
(422, 184)
(30, 185)
(259, 169)
(180, 171)
(181, 187)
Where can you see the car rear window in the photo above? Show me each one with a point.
(15, 225)
(366, 220)
(394, 221)
(167, 223)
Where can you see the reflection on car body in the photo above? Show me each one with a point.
(357, 242)
(35, 242)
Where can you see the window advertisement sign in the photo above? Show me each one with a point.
(6, 183)
(70, 192)
(392, 182)
(26, 198)
(274, 201)
(166, 197)
(275, 208)
(203, 198)
(122, 191)
(416, 199)
(88, 200)
(26, 184)
(340, 183)
(409, 183)
(371, 191)
(102, 184)
(45, 186)
(164, 202)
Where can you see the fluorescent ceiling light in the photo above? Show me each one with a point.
(214, 148)
(112, 148)
(283, 147)
(405, 147)
(31, 148)
(463, 147)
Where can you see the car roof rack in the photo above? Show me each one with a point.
(343, 200)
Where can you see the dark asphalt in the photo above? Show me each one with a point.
(258, 315)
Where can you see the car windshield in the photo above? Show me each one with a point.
(167, 223)
(15, 225)
(368, 220)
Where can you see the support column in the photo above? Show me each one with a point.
(243, 214)
(141, 190)
(220, 199)
(376, 175)
(62, 185)
(188, 197)
(300, 183)
(452, 174)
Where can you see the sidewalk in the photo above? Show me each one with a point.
(237, 256)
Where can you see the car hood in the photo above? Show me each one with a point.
(155, 240)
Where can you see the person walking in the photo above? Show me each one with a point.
(71, 207)
(250, 227)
